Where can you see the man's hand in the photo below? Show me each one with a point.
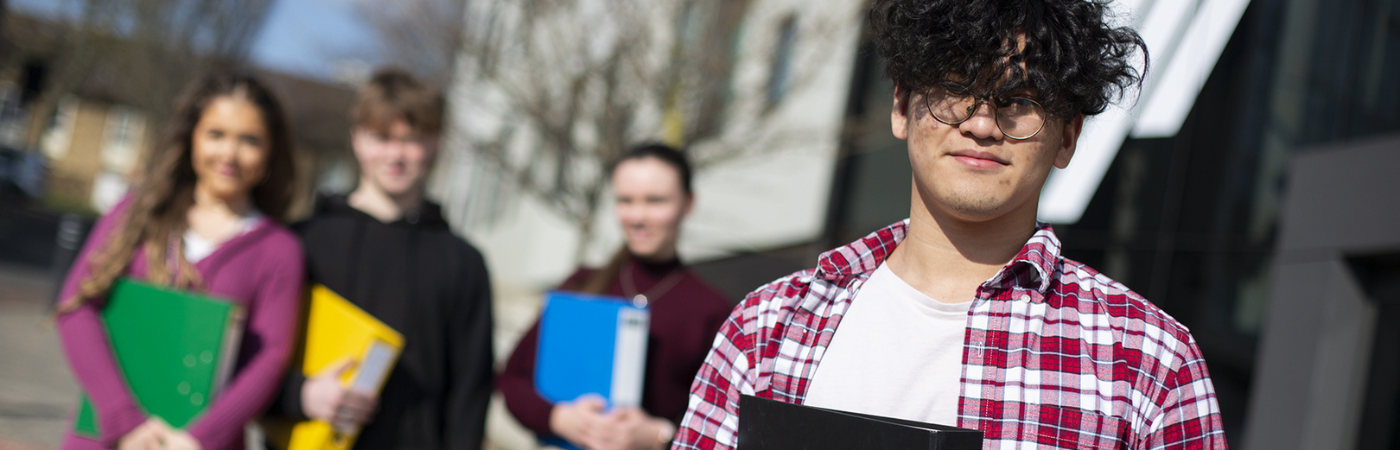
(324, 398)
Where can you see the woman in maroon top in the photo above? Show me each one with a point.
(651, 186)
(206, 218)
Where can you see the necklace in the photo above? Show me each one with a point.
(641, 299)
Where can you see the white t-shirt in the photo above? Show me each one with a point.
(197, 247)
(896, 353)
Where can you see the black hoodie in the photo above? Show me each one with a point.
(428, 284)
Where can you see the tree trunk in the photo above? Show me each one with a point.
(585, 234)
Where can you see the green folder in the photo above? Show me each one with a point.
(175, 349)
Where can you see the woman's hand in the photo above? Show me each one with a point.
(178, 440)
(586, 423)
(576, 421)
(631, 429)
(155, 434)
(144, 437)
(324, 398)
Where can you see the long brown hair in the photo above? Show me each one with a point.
(165, 193)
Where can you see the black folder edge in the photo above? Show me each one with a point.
(944, 436)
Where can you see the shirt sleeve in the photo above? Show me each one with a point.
(712, 419)
(272, 323)
(1189, 417)
(517, 381)
(287, 403)
(470, 352)
(89, 352)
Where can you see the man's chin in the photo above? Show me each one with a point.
(975, 206)
(396, 188)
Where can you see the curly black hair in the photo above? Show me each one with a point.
(1074, 61)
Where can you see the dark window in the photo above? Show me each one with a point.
(781, 68)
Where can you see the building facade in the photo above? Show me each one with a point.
(92, 147)
(1194, 219)
(1185, 192)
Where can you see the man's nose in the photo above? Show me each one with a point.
(395, 148)
(983, 123)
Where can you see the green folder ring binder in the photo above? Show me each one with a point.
(175, 349)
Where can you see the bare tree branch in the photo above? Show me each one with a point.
(154, 46)
(567, 86)
(423, 36)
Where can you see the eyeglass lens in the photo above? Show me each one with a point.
(1018, 118)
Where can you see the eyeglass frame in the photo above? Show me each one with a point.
(977, 104)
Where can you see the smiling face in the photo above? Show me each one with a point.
(230, 149)
(650, 206)
(396, 160)
(971, 171)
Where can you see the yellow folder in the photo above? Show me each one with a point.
(337, 329)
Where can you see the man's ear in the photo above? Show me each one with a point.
(899, 114)
(1068, 140)
(432, 142)
(356, 133)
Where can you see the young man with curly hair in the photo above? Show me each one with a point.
(966, 314)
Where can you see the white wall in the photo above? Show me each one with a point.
(776, 197)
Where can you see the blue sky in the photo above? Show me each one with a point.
(305, 37)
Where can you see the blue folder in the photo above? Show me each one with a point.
(591, 344)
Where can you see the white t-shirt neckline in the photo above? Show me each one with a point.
(197, 247)
(896, 353)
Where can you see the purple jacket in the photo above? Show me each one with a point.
(262, 270)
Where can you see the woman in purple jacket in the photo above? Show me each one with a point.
(207, 217)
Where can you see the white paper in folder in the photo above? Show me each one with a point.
(629, 358)
(374, 368)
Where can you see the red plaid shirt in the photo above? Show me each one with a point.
(1056, 355)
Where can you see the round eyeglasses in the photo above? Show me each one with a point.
(1018, 117)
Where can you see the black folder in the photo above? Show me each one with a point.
(773, 425)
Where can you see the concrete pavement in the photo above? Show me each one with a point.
(36, 389)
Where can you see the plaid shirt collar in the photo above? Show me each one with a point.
(1030, 269)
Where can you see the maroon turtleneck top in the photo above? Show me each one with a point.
(684, 320)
